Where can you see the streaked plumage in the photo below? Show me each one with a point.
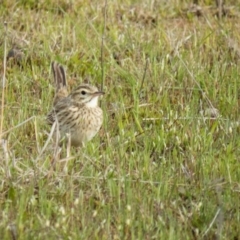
(76, 113)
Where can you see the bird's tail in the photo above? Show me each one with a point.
(60, 82)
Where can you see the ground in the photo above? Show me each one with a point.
(165, 164)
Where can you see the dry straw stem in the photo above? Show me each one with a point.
(212, 222)
(3, 77)
(17, 126)
(48, 140)
(144, 76)
(196, 82)
(102, 44)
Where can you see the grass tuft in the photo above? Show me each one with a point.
(165, 164)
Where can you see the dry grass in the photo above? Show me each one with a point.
(165, 165)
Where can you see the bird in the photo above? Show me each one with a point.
(77, 114)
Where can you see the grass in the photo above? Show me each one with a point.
(158, 169)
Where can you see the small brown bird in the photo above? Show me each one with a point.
(76, 114)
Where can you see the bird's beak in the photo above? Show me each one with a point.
(98, 93)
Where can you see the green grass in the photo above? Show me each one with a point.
(158, 169)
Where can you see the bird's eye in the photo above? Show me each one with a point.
(83, 92)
